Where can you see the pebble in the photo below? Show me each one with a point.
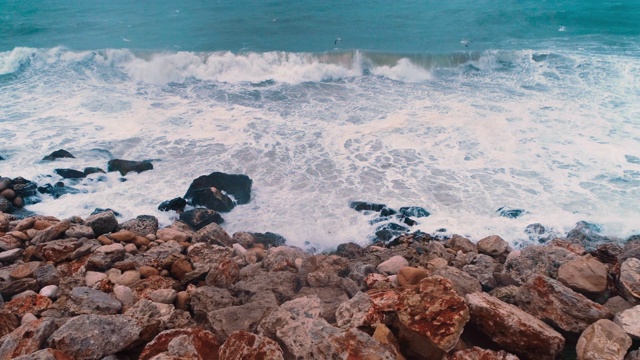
(50, 291)
(124, 294)
(163, 296)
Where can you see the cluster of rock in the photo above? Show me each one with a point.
(97, 289)
(14, 193)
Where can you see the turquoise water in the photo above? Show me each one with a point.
(461, 107)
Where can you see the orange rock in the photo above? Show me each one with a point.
(122, 235)
(180, 268)
(34, 304)
(411, 276)
(242, 345)
(183, 343)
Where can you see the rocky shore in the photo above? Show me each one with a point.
(97, 288)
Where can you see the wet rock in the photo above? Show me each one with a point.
(212, 198)
(413, 211)
(543, 260)
(102, 222)
(58, 154)
(126, 166)
(142, 225)
(58, 190)
(476, 353)
(85, 300)
(585, 275)
(366, 206)
(176, 204)
(349, 250)
(245, 317)
(196, 344)
(556, 304)
(5, 205)
(105, 256)
(510, 213)
(268, 239)
(243, 345)
(513, 329)
(630, 280)
(51, 233)
(587, 234)
(629, 321)
(70, 173)
(393, 264)
(213, 234)
(237, 185)
(603, 340)
(199, 218)
(26, 339)
(95, 336)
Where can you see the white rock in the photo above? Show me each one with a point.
(392, 265)
(629, 321)
(128, 278)
(50, 291)
(238, 250)
(124, 294)
(93, 277)
(163, 296)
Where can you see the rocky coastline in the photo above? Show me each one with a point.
(97, 288)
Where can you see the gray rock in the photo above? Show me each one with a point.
(95, 336)
(282, 258)
(206, 299)
(102, 223)
(47, 275)
(283, 284)
(80, 231)
(617, 304)
(85, 300)
(392, 265)
(482, 267)
(46, 354)
(213, 234)
(26, 339)
(357, 312)
(462, 282)
(331, 298)
(245, 317)
(543, 260)
(142, 225)
(10, 288)
(159, 257)
(10, 255)
(50, 291)
(52, 232)
(163, 296)
(630, 280)
(105, 256)
(603, 340)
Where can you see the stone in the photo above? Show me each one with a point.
(85, 300)
(206, 299)
(130, 249)
(93, 277)
(242, 345)
(493, 246)
(603, 340)
(126, 166)
(462, 282)
(392, 265)
(213, 234)
(95, 336)
(47, 275)
(431, 316)
(180, 268)
(27, 318)
(144, 287)
(587, 234)
(170, 233)
(23, 270)
(349, 250)
(556, 304)
(633, 355)
(142, 225)
(223, 274)
(176, 204)
(163, 296)
(630, 280)
(411, 275)
(224, 321)
(543, 260)
(58, 154)
(52, 232)
(212, 198)
(512, 329)
(8, 242)
(46, 354)
(160, 257)
(331, 298)
(122, 236)
(4, 222)
(5, 205)
(268, 239)
(629, 321)
(383, 335)
(283, 284)
(483, 267)
(476, 353)
(105, 256)
(585, 275)
(127, 278)
(80, 231)
(8, 322)
(102, 223)
(459, 243)
(34, 304)
(50, 291)
(617, 304)
(10, 255)
(26, 339)
(57, 250)
(182, 344)
(70, 173)
(237, 185)
(359, 311)
(148, 271)
(10, 288)
(124, 295)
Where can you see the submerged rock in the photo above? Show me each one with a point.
(127, 166)
(237, 185)
(70, 173)
(175, 204)
(199, 218)
(510, 213)
(58, 154)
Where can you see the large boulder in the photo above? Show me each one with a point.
(188, 344)
(284, 284)
(359, 311)
(242, 345)
(70, 173)
(200, 217)
(102, 222)
(513, 329)
(127, 166)
(331, 298)
(603, 340)
(26, 339)
(58, 154)
(585, 275)
(462, 282)
(246, 317)
(57, 250)
(105, 256)
(482, 267)
(161, 256)
(237, 185)
(629, 321)
(85, 300)
(142, 225)
(212, 198)
(543, 260)
(493, 246)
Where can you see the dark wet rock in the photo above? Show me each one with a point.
(142, 225)
(607, 253)
(199, 218)
(349, 250)
(95, 336)
(414, 211)
(58, 190)
(587, 234)
(212, 198)
(127, 166)
(366, 206)
(93, 170)
(70, 173)
(85, 300)
(389, 231)
(5, 205)
(58, 154)
(102, 222)
(510, 213)
(101, 210)
(24, 188)
(268, 239)
(537, 232)
(26, 339)
(175, 204)
(239, 186)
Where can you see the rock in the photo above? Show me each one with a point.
(282, 258)
(176, 204)
(237, 185)
(93, 170)
(105, 256)
(587, 234)
(243, 238)
(383, 335)
(206, 299)
(459, 243)
(245, 317)
(51, 233)
(633, 355)
(4, 222)
(148, 271)
(102, 223)
(122, 236)
(393, 264)
(85, 300)
(349, 250)
(629, 321)
(95, 336)
(431, 317)
(603, 340)
(242, 345)
(462, 282)
(10, 255)
(127, 166)
(510, 213)
(8, 322)
(197, 344)
(366, 206)
(163, 296)
(630, 280)
(160, 257)
(124, 295)
(413, 211)
(483, 267)
(359, 311)
(199, 218)
(80, 231)
(585, 275)
(50, 291)
(47, 275)
(24, 270)
(46, 354)
(493, 246)
(26, 339)
(70, 173)
(617, 304)
(142, 225)
(411, 276)
(93, 277)
(330, 298)
(5, 205)
(127, 278)
(223, 274)
(34, 304)
(57, 250)
(512, 329)
(476, 353)
(213, 234)
(144, 287)
(27, 318)
(10, 288)
(212, 198)
(58, 154)
(543, 260)
(170, 233)
(268, 239)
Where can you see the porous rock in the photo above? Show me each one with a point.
(603, 340)
(26, 339)
(476, 353)
(142, 225)
(196, 344)
(242, 345)
(357, 312)
(543, 260)
(213, 234)
(246, 317)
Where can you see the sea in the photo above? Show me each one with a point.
(462, 107)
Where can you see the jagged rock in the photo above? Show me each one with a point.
(493, 246)
(223, 274)
(603, 340)
(10, 255)
(206, 299)
(203, 255)
(212, 198)
(80, 231)
(70, 173)
(46, 354)
(393, 264)
(462, 282)
(51, 233)
(105, 256)
(585, 275)
(163, 296)
(283, 284)
(127, 166)
(85, 300)
(556, 304)
(513, 329)
(213, 234)
(102, 222)
(10, 288)
(9, 242)
(189, 344)
(237, 185)
(58, 154)
(26, 339)
(199, 218)
(8, 322)
(95, 336)
(57, 250)
(411, 275)
(34, 304)
(176, 204)
(413, 211)
(160, 257)
(331, 298)
(47, 275)
(629, 321)
(357, 312)
(349, 250)
(607, 253)
(476, 353)
(587, 234)
(630, 280)
(246, 317)
(142, 225)
(459, 243)
(482, 267)
(268, 239)
(431, 316)
(144, 287)
(242, 345)
(543, 260)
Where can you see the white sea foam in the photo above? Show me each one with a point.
(549, 133)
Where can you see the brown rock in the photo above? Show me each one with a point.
(476, 353)
(57, 250)
(543, 260)
(603, 340)
(411, 275)
(243, 238)
(180, 268)
(143, 288)
(575, 248)
(122, 235)
(384, 336)
(26, 339)
(104, 240)
(556, 304)
(242, 345)
(183, 300)
(197, 344)
(359, 311)
(431, 316)
(46, 354)
(331, 298)
(34, 304)
(213, 234)
(141, 241)
(585, 275)
(493, 246)
(8, 242)
(462, 282)
(171, 233)
(148, 271)
(161, 256)
(630, 280)
(459, 243)
(8, 322)
(10, 288)
(51, 233)
(617, 304)
(512, 329)
(24, 270)
(223, 274)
